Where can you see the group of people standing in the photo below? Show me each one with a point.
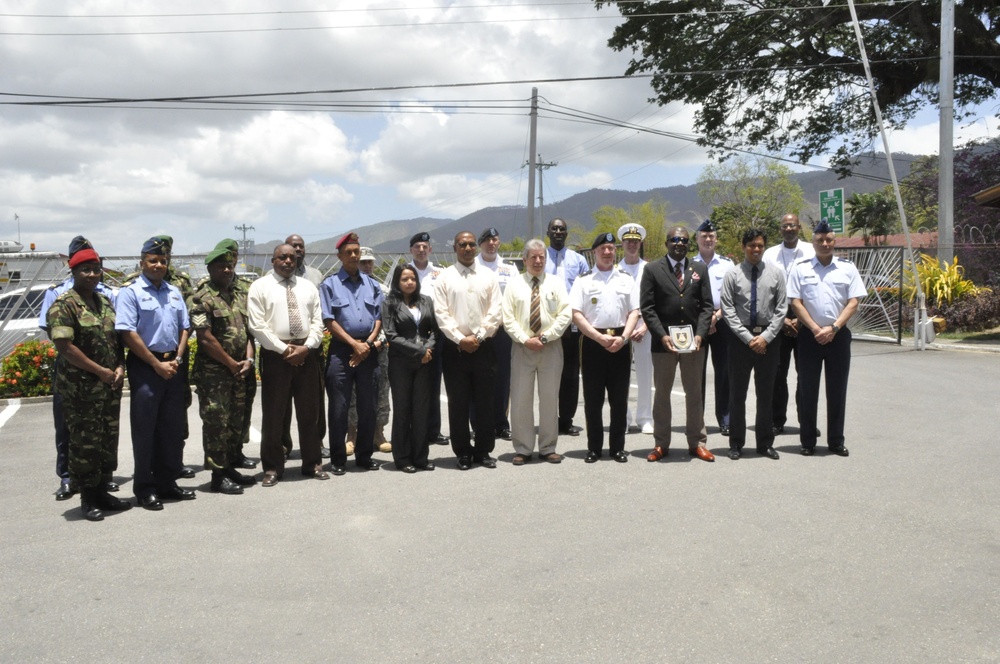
(492, 335)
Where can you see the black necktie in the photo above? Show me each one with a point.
(753, 297)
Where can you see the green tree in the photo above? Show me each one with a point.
(515, 245)
(786, 75)
(874, 215)
(651, 215)
(748, 192)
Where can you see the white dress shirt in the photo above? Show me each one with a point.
(467, 302)
(267, 307)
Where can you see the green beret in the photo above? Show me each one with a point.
(218, 254)
(229, 245)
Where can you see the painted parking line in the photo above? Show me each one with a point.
(13, 405)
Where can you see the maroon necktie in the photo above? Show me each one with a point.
(679, 273)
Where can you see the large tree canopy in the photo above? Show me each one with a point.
(786, 75)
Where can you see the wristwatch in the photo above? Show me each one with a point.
(371, 344)
(835, 328)
(179, 360)
(544, 339)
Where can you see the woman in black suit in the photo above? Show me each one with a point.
(408, 321)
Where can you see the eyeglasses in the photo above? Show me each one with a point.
(680, 240)
(465, 245)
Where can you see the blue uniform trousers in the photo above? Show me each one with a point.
(718, 346)
(833, 360)
(341, 378)
(158, 415)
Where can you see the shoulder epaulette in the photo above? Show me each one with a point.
(588, 272)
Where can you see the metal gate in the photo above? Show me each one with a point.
(880, 313)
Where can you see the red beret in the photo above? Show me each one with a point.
(350, 238)
(84, 256)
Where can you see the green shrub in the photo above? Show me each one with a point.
(27, 371)
(942, 283)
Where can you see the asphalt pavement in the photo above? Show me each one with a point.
(891, 554)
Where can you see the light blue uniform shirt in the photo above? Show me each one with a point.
(157, 315)
(825, 290)
(565, 263)
(355, 305)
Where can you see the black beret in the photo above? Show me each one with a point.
(603, 238)
(487, 234)
(420, 237)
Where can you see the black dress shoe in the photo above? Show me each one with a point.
(770, 453)
(65, 491)
(592, 457)
(620, 457)
(734, 454)
(187, 472)
(724, 430)
(91, 512)
(428, 466)
(807, 451)
(778, 429)
(324, 452)
(504, 433)
(840, 451)
(818, 434)
(487, 462)
(439, 440)
(464, 463)
(371, 464)
(338, 470)
(571, 431)
(222, 484)
(150, 502)
(409, 468)
(236, 477)
(177, 493)
(110, 486)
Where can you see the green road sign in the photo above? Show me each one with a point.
(831, 208)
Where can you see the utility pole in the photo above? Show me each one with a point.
(246, 245)
(532, 143)
(542, 166)
(946, 122)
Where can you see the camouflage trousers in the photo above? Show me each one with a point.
(222, 406)
(93, 437)
(382, 406)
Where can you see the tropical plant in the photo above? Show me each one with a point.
(27, 371)
(651, 215)
(943, 283)
(874, 215)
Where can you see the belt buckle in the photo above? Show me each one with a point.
(757, 330)
(610, 332)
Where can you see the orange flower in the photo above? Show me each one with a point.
(13, 382)
(17, 374)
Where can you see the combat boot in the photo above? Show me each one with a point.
(238, 478)
(381, 444)
(352, 436)
(222, 484)
(111, 503)
(88, 505)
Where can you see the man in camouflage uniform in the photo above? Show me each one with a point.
(91, 371)
(241, 287)
(223, 359)
(182, 280)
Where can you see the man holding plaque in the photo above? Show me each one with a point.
(676, 302)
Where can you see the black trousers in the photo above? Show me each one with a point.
(437, 373)
(718, 346)
(569, 384)
(411, 404)
(341, 380)
(62, 435)
(469, 379)
(834, 361)
(605, 372)
(743, 361)
(281, 384)
(158, 415)
(779, 404)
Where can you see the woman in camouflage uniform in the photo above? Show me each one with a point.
(91, 371)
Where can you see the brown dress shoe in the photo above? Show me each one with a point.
(270, 479)
(703, 453)
(657, 454)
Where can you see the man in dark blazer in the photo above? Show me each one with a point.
(675, 291)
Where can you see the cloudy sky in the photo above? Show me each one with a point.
(355, 153)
